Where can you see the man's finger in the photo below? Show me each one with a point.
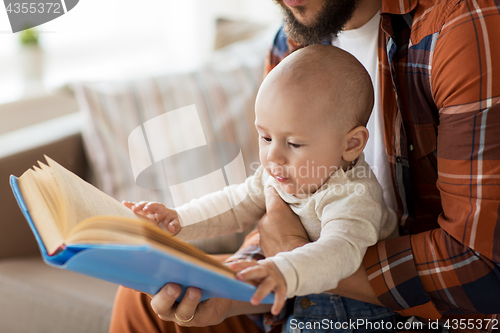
(271, 194)
(164, 300)
(273, 199)
(187, 306)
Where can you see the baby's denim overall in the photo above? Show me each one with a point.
(332, 313)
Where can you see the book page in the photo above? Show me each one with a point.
(41, 215)
(82, 200)
(52, 187)
(50, 193)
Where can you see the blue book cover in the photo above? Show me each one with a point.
(141, 267)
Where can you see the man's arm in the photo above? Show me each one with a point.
(452, 269)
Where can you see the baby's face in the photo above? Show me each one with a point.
(299, 145)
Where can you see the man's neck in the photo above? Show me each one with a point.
(363, 14)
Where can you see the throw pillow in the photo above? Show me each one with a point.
(223, 91)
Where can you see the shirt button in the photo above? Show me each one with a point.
(398, 160)
(305, 303)
(411, 147)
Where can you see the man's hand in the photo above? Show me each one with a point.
(191, 312)
(207, 313)
(269, 278)
(280, 229)
(164, 217)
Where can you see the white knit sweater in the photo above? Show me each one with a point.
(342, 218)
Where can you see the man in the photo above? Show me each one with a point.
(439, 73)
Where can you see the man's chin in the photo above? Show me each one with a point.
(302, 14)
(308, 26)
(305, 17)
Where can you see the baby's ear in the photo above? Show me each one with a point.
(355, 143)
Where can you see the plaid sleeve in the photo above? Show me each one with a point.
(454, 270)
(250, 249)
(282, 47)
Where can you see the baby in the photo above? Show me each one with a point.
(311, 111)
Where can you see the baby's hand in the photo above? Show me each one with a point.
(166, 218)
(269, 278)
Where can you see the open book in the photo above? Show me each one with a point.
(82, 229)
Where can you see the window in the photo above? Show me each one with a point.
(116, 39)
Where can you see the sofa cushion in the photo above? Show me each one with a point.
(38, 298)
(59, 138)
(223, 91)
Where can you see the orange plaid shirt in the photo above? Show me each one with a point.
(439, 64)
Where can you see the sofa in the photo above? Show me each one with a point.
(92, 143)
(35, 297)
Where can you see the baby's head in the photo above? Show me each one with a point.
(311, 112)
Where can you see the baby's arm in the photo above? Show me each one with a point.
(229, 210)
(166, 218)
(310, 269)
(349, 226)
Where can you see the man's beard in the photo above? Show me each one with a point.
(330, 20)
